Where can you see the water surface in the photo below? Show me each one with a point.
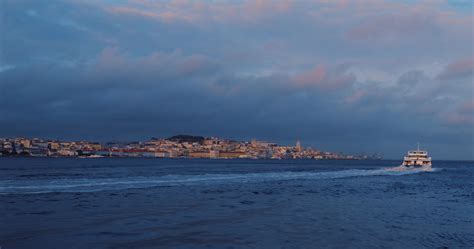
(150, 203)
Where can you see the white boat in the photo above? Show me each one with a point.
(417, 158)
(91, 156)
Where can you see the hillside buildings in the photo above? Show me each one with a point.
(182, 146)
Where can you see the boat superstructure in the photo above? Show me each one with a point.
(417, 158)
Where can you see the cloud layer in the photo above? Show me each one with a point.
(365, 76)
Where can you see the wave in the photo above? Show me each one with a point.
(103, 184)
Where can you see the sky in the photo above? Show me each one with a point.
(365, 76)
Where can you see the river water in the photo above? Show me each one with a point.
(177, 203)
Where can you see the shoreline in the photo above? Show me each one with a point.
(196, 158)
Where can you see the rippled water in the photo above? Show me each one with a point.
(149, 203)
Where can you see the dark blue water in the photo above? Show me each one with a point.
(153, 203)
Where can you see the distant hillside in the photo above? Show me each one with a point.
(186, 138)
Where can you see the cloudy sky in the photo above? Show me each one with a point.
(340, 75)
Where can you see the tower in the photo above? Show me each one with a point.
(298, 146)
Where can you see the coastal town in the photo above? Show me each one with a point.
(180, 146)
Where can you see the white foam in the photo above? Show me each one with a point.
(402, 168)
(101, 184)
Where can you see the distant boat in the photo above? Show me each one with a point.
(92, 156)
(417, 158)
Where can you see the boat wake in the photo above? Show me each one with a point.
(104, 184)
(402, 168)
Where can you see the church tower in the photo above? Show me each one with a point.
(298, 146)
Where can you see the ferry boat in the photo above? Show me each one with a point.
(417, 158)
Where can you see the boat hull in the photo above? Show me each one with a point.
(416, 164)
